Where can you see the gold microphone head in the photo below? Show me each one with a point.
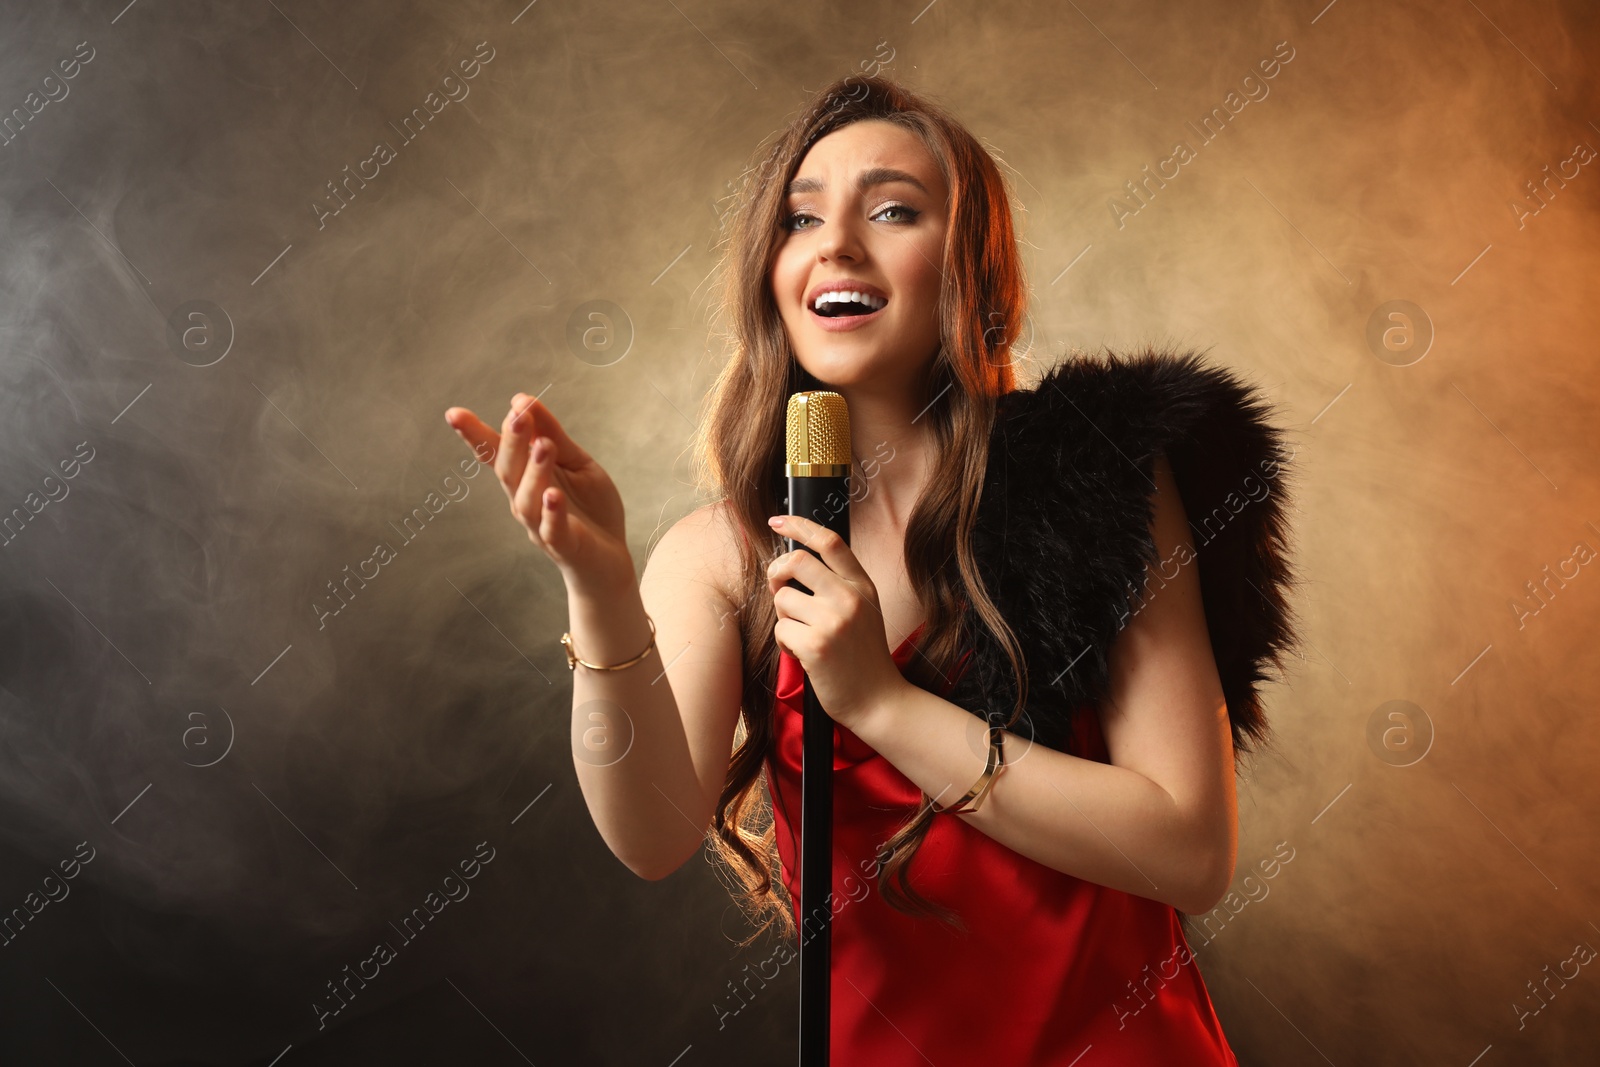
(817, 443)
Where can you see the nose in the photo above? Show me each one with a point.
(840, 239)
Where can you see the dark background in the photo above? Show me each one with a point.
(266, 790)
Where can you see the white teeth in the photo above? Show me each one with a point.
(839, 295)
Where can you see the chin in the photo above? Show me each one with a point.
(834, 374)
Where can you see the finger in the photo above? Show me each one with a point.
(479, 435)
(777, 637)
(780, 629)
(802, 567)
(568, 452)
(536, 477)
(794, 606)
(834, 550)
(554, 521)
(513, 457)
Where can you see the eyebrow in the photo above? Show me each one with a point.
(867, 179)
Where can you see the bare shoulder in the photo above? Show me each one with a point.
(703, 546)
(690, 588)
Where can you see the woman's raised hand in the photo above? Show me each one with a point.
(566, 500)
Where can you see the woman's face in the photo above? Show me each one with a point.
(885, 239)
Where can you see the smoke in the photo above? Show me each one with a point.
(276, 651)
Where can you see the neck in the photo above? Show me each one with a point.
(892, 442)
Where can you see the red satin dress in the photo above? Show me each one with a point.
(1054, 970)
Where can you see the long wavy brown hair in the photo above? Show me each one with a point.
(738, 452)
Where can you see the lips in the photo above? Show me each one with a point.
(844, 322)
(837, 323)
(848, 284)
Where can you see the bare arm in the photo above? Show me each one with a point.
(1159, 820)
(651, 742)
(651, 745)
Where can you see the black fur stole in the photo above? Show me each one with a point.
(1063, 536)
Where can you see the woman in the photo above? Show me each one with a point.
(1040, 673)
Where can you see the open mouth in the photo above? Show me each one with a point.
(846, 304)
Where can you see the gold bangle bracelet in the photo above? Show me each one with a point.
(980, 788)
(573, 661)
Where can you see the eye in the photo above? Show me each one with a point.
(909, 212)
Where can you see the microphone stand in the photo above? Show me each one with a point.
(818, 489)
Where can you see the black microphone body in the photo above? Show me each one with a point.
(819, 490)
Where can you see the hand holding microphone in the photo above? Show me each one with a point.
(837, 631)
